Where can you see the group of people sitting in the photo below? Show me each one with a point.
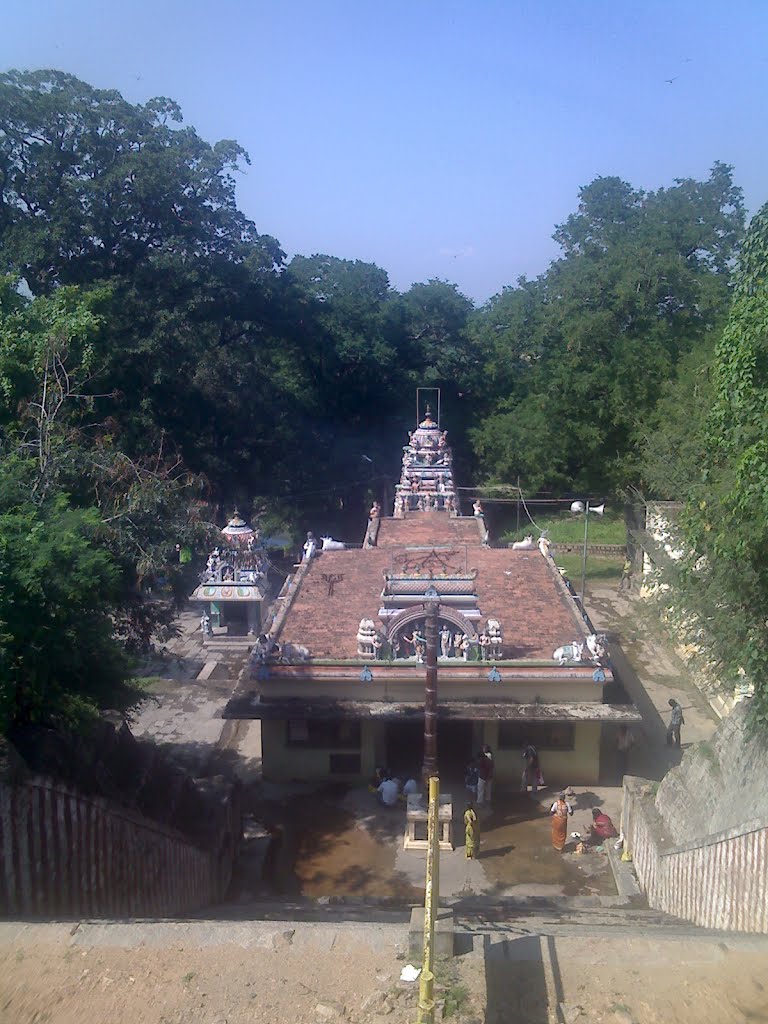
(389, 790)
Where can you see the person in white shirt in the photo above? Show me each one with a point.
(411, 786)
(387, 792)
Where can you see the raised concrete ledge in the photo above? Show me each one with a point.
(627, 885)
(444, 933)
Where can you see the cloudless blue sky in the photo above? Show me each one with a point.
(436, 139)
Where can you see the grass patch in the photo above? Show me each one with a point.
(600, 568)
(455, 998)
(149, 684)
(188, 977)
(565, 528)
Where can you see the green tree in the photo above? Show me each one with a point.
(92, 186)
(726, 521)
(59, 661)
(643, 280)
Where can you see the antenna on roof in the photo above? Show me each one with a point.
(435, 393)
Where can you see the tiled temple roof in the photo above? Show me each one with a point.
(428, 529)
(519, 588)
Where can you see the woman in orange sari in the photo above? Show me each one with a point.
(560, 812)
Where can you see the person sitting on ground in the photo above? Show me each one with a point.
(602, 828)
(388, 792)
(411, 786)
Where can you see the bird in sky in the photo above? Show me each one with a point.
(669, 81)
(367, 459)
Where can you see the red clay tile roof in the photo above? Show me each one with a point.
(429, 528)
(532, 604)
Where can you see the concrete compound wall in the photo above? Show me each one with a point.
(64, 853)
(720, 881)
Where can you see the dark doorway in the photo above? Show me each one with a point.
(405, 747)
(235, 618)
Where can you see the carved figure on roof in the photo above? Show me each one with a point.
(366, 632)
(376, 643)
(596, 647)
(419, 644)
(445, 642)
(494, 632)
(442, 443)
(485, 645)
(205, 625)
(465, 646)
(526, 544)
(375, 512)
(477, 508)
(310, 547)
(399, 509)
(544, 545)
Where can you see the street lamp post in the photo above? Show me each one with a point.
(579, 507)
(432, 608)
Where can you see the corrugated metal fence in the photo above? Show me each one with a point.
(68, 854)
(720, 881)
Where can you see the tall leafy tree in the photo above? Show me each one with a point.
(726, 519)
(643, 279)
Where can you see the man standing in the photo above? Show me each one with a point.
(626, 576)
(530, 775)
(484, 778)
(675, 721)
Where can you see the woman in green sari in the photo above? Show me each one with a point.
(471, 833)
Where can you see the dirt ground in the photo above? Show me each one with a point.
(353, 978)
(224, 984)
(631, 980)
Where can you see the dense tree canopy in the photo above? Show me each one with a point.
(726, 518)
(161, 361)
(583, 352)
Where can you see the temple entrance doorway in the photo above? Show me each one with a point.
(405, 748)
(234, 616)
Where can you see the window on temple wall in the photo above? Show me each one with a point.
(543, 735)
(322, 735)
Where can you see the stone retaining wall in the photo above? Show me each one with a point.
(720, 881)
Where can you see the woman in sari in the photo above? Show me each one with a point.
(471, 833)
(560, 811)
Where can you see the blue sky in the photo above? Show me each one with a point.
(436, 139)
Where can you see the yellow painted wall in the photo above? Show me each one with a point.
(580, 766)
(282, 763)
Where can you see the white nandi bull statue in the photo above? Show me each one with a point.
(569, 652)
(332, 545)
(526, 544)
(596, 647)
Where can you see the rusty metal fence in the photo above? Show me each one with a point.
(720, 881)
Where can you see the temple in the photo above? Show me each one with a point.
(338, 682)
(232, 588)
